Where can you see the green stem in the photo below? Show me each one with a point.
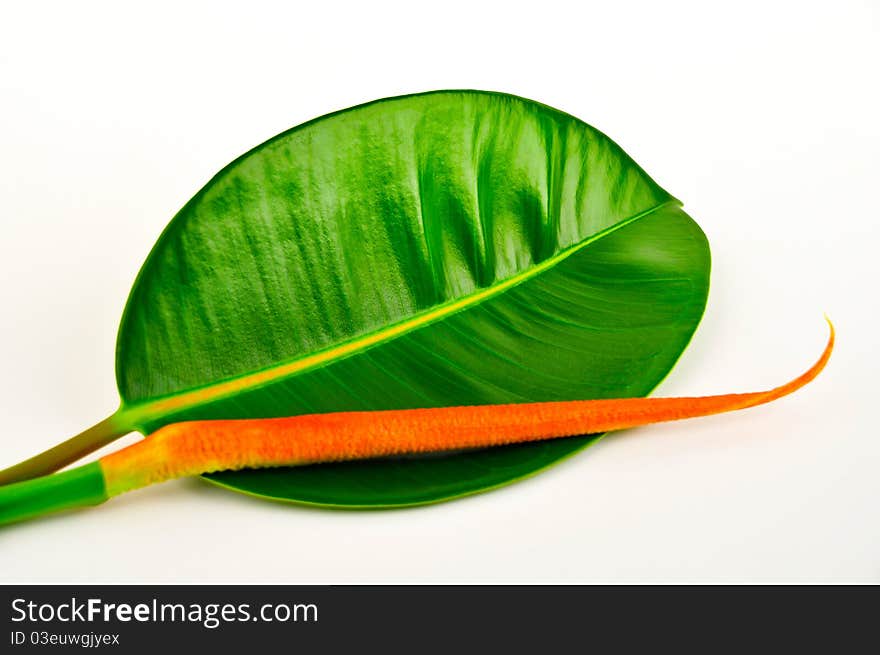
(69, 451)
(79, 487)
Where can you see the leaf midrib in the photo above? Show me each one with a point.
(142, 412)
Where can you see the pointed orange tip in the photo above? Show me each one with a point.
(814, 370)
(830, 325)
(831, 336)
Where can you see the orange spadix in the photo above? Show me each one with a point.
(195, 447)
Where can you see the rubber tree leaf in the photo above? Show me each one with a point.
(447, 248)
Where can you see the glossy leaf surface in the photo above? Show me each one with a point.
(440, 249)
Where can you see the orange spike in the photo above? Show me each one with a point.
(196, 447)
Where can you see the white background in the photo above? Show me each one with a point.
(761, 117)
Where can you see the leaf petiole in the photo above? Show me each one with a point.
(99, 435)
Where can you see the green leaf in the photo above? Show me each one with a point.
(446, 248)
